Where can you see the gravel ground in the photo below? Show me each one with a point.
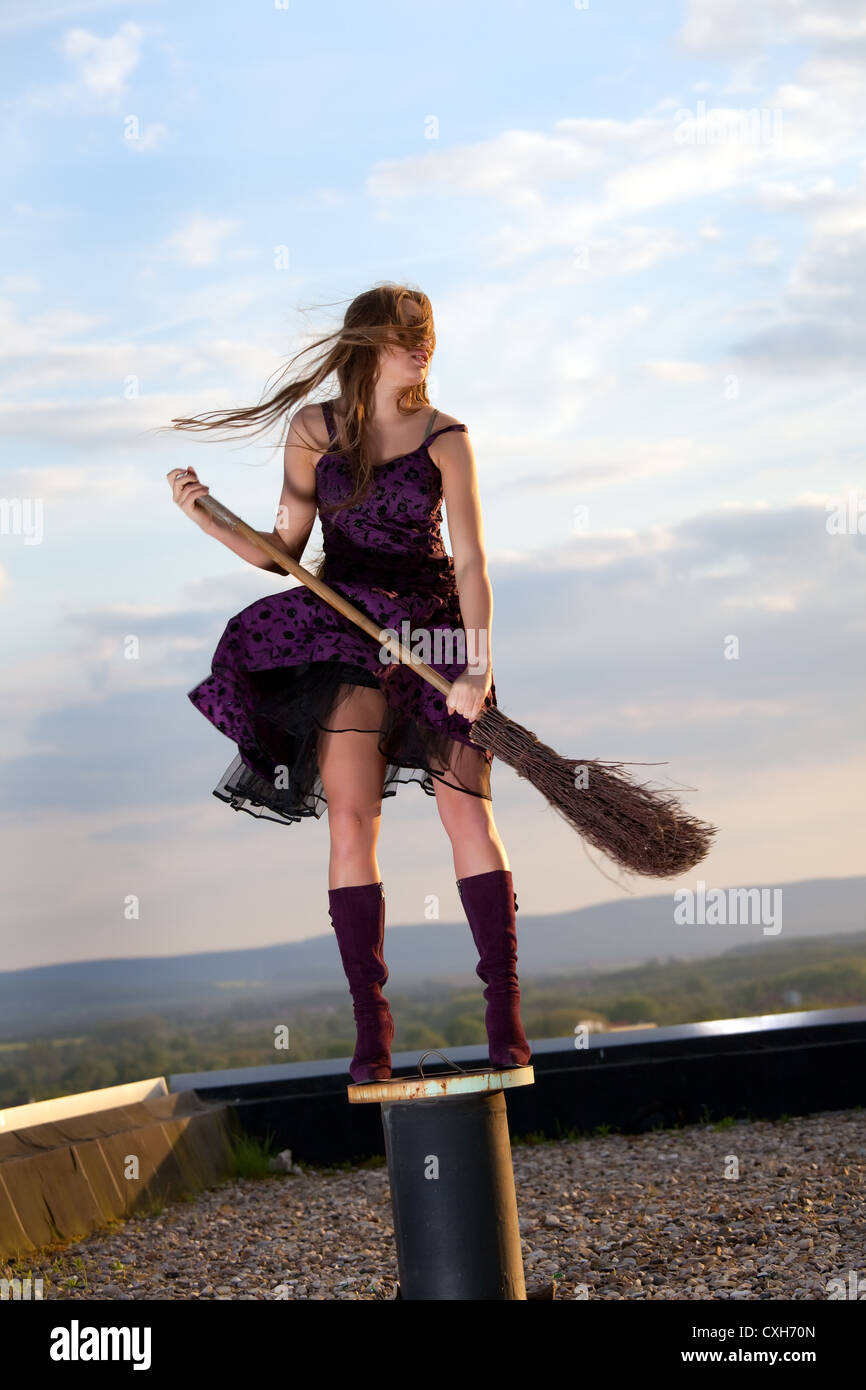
(647, 1216)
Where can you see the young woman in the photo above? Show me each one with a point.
(320, 718)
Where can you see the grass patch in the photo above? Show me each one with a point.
(251, 1158)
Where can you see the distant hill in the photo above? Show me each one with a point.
(53, 999)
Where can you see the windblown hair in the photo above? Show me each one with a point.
(377, 317)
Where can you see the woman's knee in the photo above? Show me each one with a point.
(354, 825)
(465, 817)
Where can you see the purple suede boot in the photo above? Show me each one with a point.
(490, 904)
(358, 917)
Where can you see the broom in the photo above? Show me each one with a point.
(644, 831)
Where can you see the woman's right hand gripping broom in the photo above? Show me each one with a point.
(185, 488)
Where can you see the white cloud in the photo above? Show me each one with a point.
(20, 284)
(625, 251)
(506, 167)
(770, 603)
(38, 214)
(727, 27)
(121, 482)
(655, 606)
(200, 240)
(117, 364)
(102, 66)
(774, 194)
(630, 169)
(23, 337)
(764, 250)
(820, 323)
(104, 422)
(19, 15)
(39, 352)
(598, 463)
(588, 186)
(679, 373)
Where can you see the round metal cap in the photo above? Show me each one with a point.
(439, 1087)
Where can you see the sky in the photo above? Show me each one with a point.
(643, 231)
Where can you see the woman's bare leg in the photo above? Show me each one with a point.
(468, 820)
(353, 774)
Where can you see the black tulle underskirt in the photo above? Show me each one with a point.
(278, 779)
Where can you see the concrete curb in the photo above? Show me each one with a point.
(63, 1179)
(39, 1112)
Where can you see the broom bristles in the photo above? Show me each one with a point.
(644, 831)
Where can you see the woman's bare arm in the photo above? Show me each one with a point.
(297, 508)
(456, 462)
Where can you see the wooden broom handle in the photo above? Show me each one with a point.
(394, 646)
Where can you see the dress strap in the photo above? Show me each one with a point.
(328, 412)
(444, 430)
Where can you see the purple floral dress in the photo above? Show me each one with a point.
(284, 664)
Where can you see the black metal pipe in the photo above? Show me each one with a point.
(452, 1194)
